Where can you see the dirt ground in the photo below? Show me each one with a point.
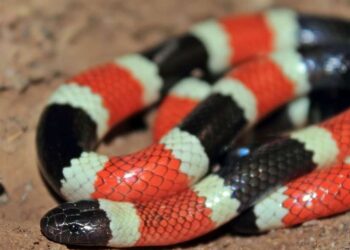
(42, 42)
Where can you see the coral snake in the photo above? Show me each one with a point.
(170, 192)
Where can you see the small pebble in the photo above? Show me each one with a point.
(3, 195)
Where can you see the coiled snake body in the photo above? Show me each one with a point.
(158, 196)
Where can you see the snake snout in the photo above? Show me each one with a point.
(78, 223)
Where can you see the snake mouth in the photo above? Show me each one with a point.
(77, 223)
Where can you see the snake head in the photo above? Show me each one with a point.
(77, 223)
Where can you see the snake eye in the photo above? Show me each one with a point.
(74, 228)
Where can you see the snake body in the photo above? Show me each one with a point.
(152, 195)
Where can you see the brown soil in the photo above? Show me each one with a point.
(43, 42)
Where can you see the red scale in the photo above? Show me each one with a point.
(120, 91)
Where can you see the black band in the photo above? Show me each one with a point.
(63, 133)
(267, 167)
(177, 58)
(328, 67)
(215, 122)
(315, 30)
(245, 223)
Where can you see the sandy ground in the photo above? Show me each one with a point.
(42, 42)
